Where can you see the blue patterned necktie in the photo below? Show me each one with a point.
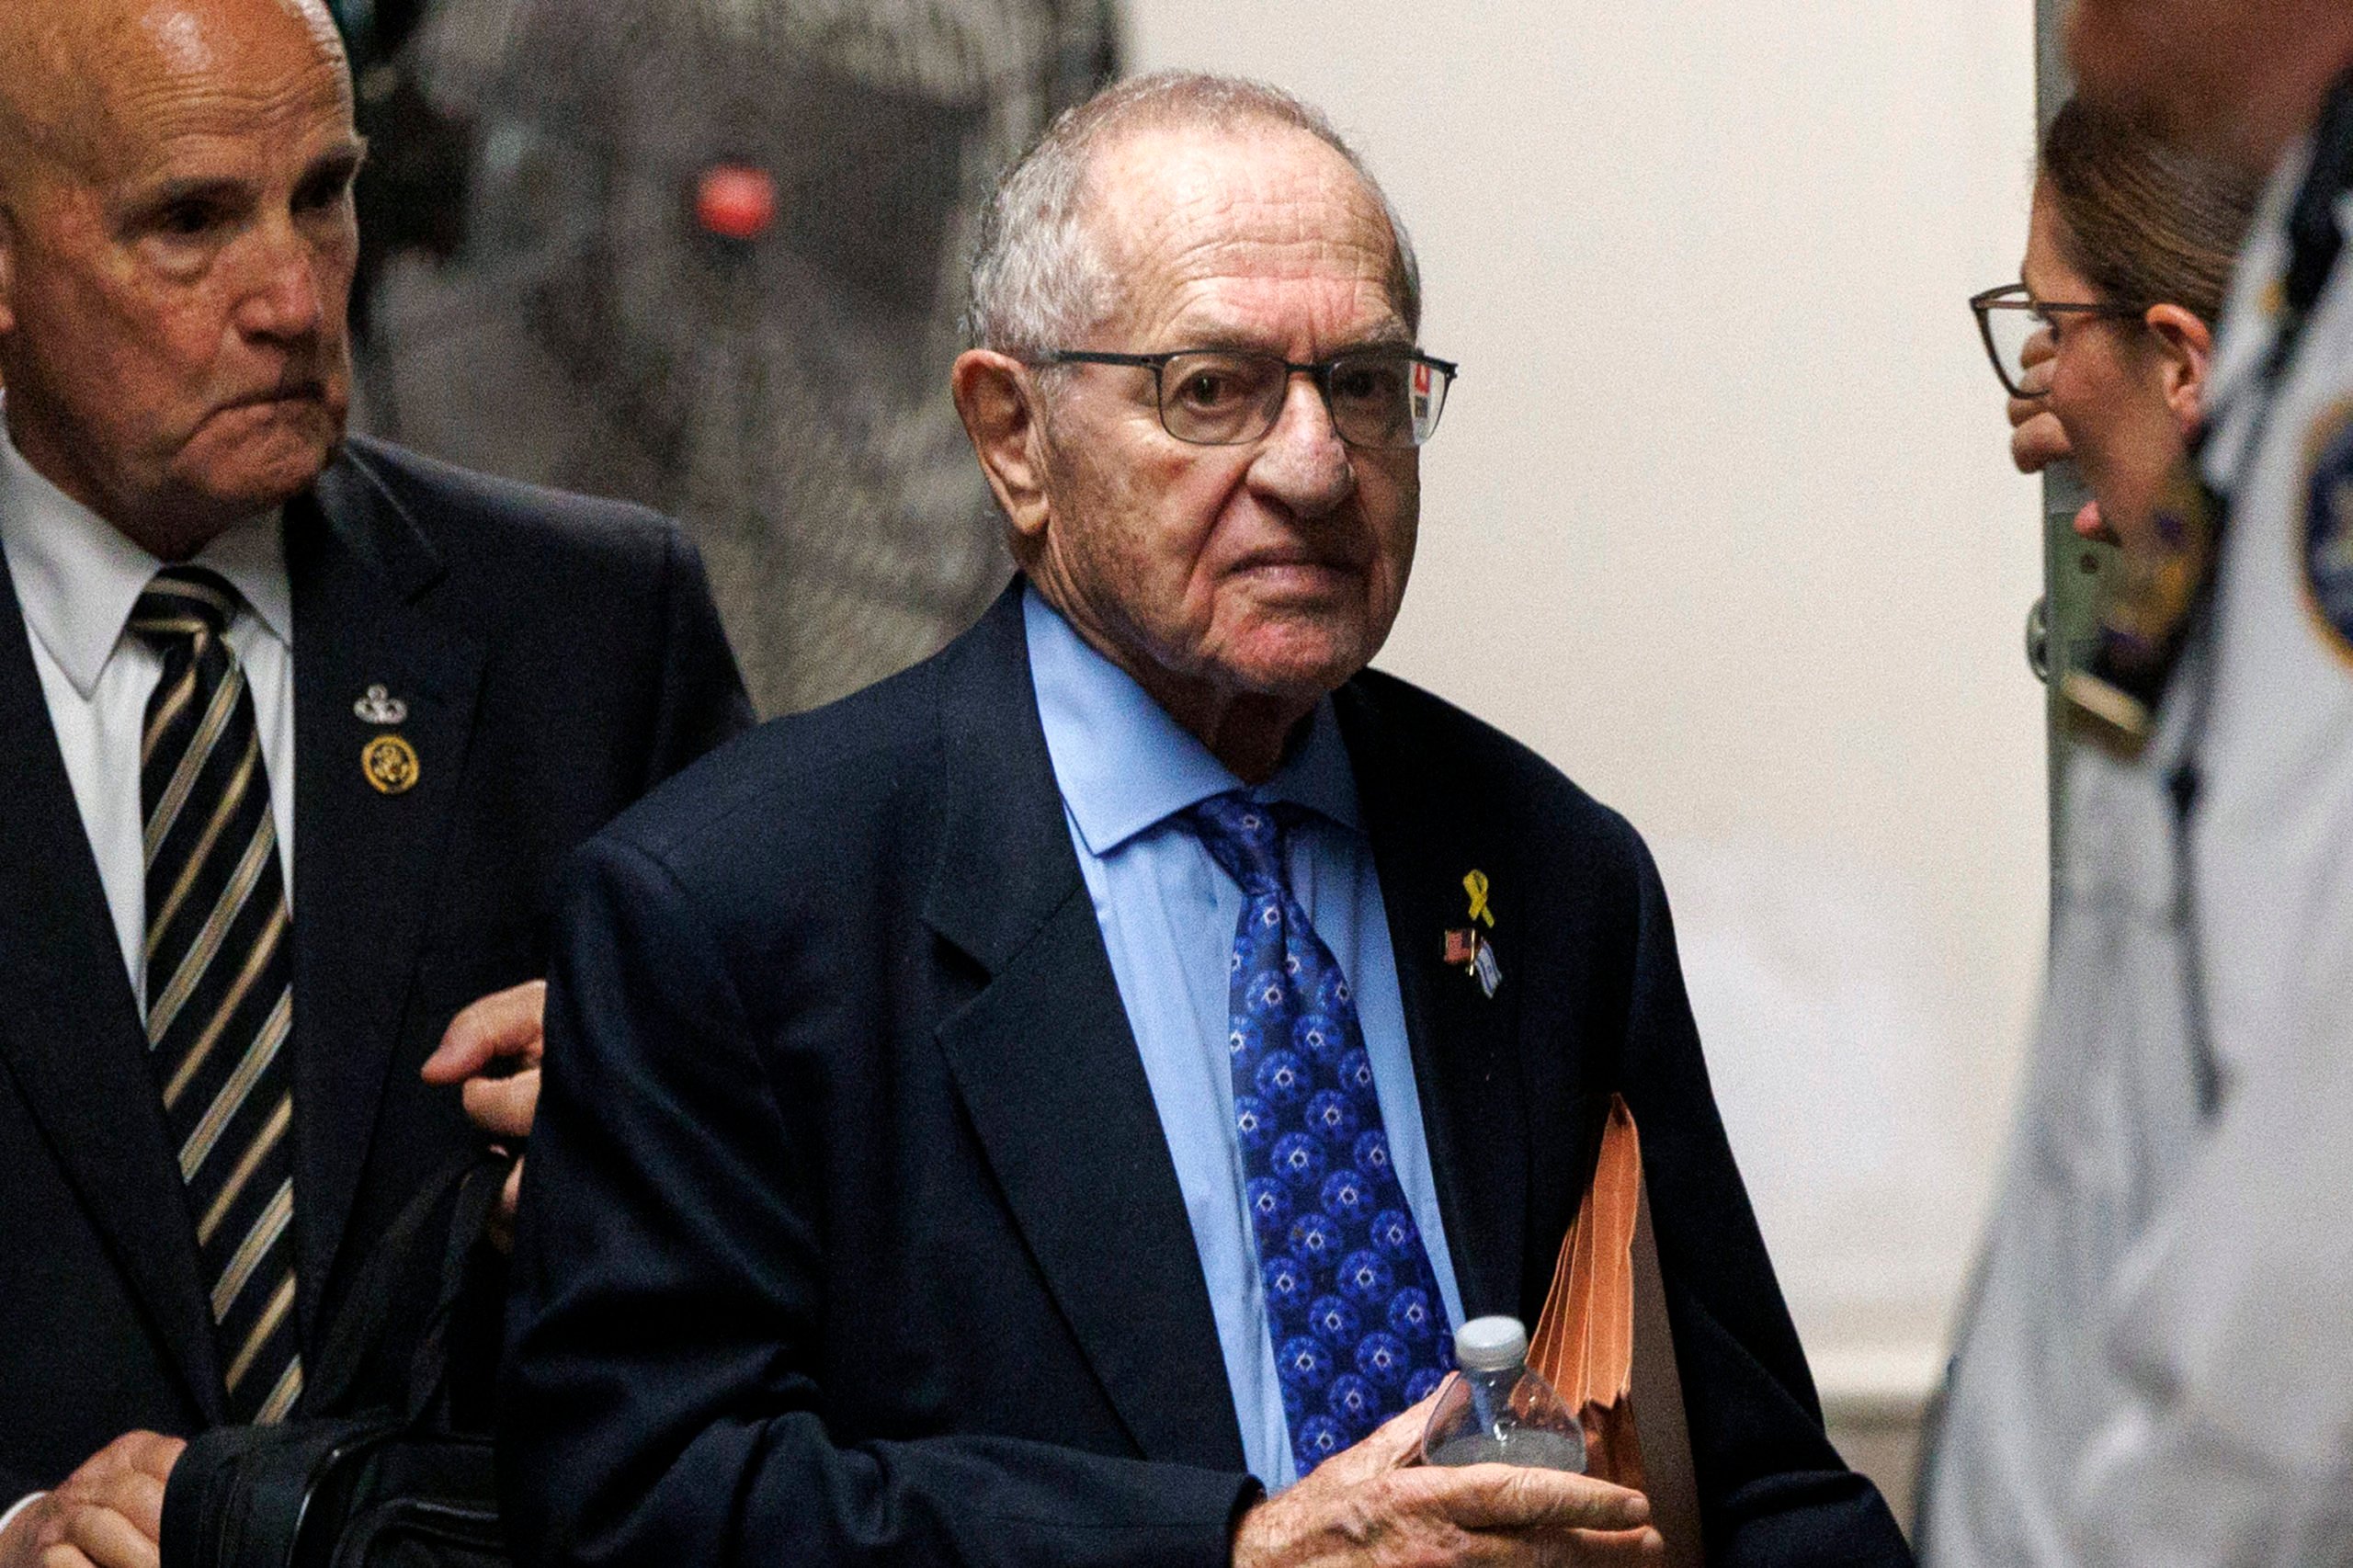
(1352, 1302)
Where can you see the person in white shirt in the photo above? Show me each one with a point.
(2104, 346)
(2228, 1320)
(226, 632)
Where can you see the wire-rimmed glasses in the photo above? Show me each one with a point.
(1383, 398)
(2009, 317)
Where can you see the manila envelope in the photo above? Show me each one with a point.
(1603, 1341)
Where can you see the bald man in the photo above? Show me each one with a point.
(226, 632)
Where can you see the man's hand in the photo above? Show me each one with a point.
(108, 1514)
(497, 1032)
(1365, 1508)
(2037, 438)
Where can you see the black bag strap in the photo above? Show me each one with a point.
(236, 1496)
(479, 1189)
(374, 1298)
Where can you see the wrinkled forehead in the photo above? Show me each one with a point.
(112, 90)
(1263, 218)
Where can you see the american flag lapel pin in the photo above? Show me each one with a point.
(1470, 947)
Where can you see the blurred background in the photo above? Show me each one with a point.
(1721, 519)
(707, 255)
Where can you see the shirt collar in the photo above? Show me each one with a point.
(1124, 765)
(78, 577)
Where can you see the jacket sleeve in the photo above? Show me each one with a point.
(663, 1397)
(702, 699)
(1772, 1490)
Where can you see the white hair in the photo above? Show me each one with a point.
(1038, 279)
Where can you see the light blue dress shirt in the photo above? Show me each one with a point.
(1168, 915)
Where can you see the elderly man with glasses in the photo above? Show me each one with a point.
(1051, 1108)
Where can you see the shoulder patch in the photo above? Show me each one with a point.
(2328, 527)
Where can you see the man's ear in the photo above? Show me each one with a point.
(998, 403)
(2186, 347)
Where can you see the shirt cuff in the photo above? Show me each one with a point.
(9, 1517)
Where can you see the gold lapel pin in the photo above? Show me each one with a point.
(391, 764)
(378, 706)
(1468, 947)
(1476, 884)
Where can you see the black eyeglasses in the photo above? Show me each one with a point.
(2009, 317)
(1385, 398)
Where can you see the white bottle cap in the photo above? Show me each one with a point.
(1491, 1345)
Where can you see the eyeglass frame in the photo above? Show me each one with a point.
(1321, 371)
(1986, 302)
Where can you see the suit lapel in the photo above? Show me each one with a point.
(1465, 1045)
(1049, 1071)
(364, 876)
(70, 1033)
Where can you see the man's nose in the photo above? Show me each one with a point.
(283, 297)
(1304, 464)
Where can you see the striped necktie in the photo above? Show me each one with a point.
(220, 982)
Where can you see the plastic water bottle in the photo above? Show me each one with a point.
(1498, 1412)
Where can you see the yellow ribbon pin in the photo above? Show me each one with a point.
(1476, 884)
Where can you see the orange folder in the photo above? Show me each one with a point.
(1604, 1342)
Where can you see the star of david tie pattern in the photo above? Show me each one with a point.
(219, 983)
(1352, 1303)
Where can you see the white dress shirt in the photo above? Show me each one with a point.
(2158, 1370)
(2108, 1122)
(77, 578)
(2232, 1323)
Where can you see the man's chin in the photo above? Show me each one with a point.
(1298, 661)
(266, 469)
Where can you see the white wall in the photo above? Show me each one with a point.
(1720, 522)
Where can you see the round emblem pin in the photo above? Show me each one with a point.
(390, 764)
(2328, 527)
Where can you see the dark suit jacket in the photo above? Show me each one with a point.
(850, 1235)
(558, 657)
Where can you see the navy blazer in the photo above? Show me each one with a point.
(850, 1235)
(558, 657)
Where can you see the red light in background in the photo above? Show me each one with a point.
(735, 202)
